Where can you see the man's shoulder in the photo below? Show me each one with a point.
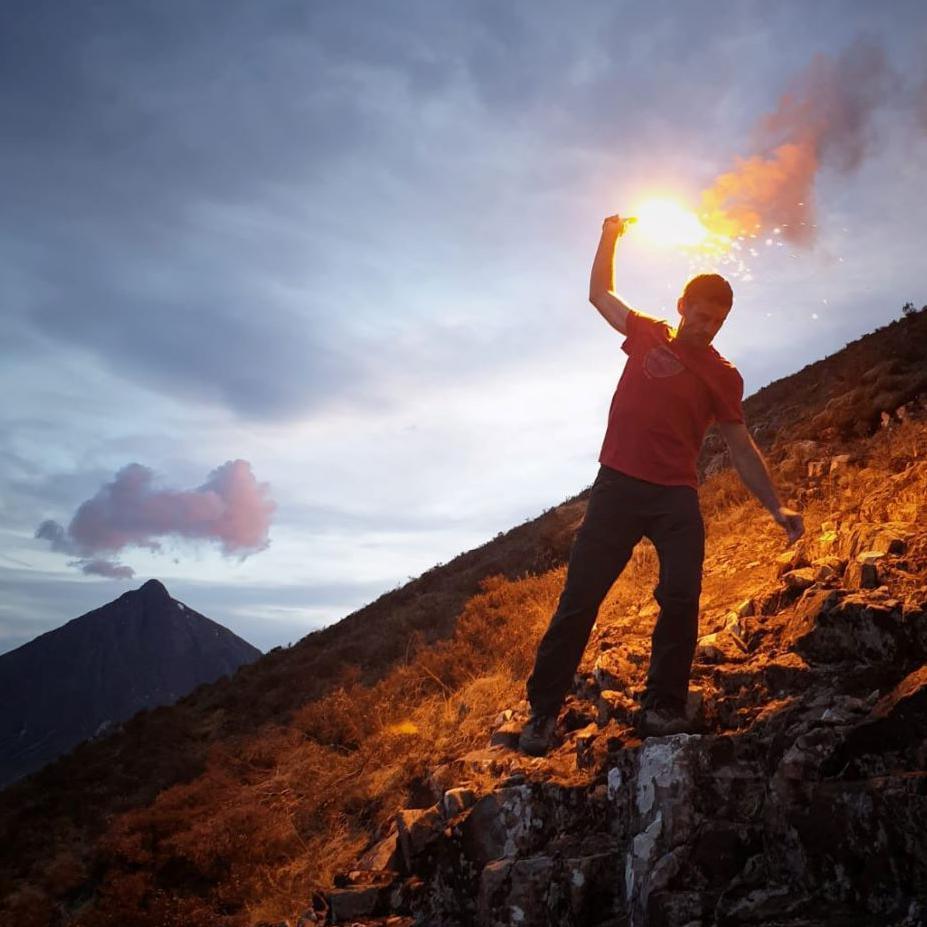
(649, 319)
(643, 332)
(644, 321)
(722, 362)
(727, 373)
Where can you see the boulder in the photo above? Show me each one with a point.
(362, 894)
(894, 733)
(799, 580)
(828, 568)
(416, 828)
(384, 854)
(886, 536)
(721, 647)
(499, 824)
(507, 735)
(694, 812)
(493, 889)
(617, 705)
(787, 672)
(863, 570)
(546, 889)
(830, 626)
(456, 801)
(793, 559)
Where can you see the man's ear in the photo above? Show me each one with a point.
(681, 305)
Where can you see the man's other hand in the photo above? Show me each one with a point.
(792, 522)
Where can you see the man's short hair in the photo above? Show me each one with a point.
(711, 288)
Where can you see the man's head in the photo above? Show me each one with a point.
(704, 305)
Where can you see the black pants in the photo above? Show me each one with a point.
(622, 510)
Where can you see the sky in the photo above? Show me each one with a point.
(295, 294)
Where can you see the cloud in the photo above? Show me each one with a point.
(230, 508)
(103, 568)
(253, 210)
(257, 210)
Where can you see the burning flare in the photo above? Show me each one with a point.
(664, 221)
(709, 244)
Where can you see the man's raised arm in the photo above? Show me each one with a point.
(601, 282)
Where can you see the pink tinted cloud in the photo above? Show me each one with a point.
(231, 508)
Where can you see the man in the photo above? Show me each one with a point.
(673, 386)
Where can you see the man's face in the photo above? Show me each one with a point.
(701, 320)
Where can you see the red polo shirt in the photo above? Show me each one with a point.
(666, 398)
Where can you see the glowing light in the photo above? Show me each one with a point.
(664, 221)
(402, 727)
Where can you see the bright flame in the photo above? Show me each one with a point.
(707, 243)
(664, 221)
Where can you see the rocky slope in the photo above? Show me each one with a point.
(802, 799)
(81, 680)
(801, 802)
(367, 773)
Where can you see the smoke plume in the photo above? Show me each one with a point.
(230, 508)
(824, 118)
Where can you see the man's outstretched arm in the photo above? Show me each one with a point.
(752, 469)
(601, 282)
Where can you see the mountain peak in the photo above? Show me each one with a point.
(139, 651)
(154, 590)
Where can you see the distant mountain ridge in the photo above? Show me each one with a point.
(69, 684)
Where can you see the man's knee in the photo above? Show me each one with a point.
(683, 598)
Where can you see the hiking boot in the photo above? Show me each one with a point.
(660, 721)
(537, 734)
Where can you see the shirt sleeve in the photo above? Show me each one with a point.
(727, 402)
(638, 326)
